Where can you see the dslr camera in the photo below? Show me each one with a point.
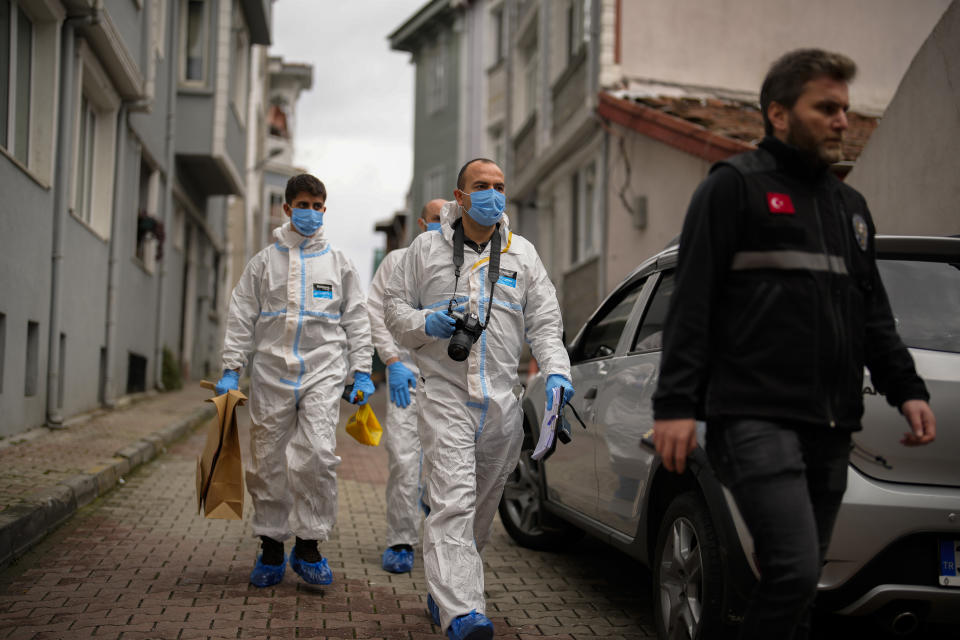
(466, 331)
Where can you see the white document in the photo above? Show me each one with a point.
(548, 428)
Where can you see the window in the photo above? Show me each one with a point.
(149, 227)
(136, 373)
(179, 220)
(925, 299)
(61, 376)
(530, 66)
(194, 41)
(240, 63)
(16, 70)
(94, 144)
(32, 371)
(602, 335)
(499, 40)
(215, 297)
(276, 204)
(578, 26)
(87, 134)
(434, 184)
(584, 220)
(650, 334)
(495, 144)
(436, 66)
(3, 346)
(575, 218)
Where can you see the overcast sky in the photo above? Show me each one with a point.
(355, 126)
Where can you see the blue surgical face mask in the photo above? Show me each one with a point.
(306, 221)
(433, 226)
(486, 207)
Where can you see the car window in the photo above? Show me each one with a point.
(602, 334)
(650, 332)
(925, 298)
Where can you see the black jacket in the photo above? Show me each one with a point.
(778, 303)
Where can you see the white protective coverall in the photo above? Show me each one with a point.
(400, 435)
(470, 420)
(300, 308)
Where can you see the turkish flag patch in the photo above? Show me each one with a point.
(780, 203)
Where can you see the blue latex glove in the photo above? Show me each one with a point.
(439, 324)
(557, 381)
(401, 379)
(229, 380)
(361, 382)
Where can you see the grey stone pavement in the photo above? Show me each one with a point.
(139, 562)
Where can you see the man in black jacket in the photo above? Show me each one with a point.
(778, 306)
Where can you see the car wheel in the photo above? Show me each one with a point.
(522, 513)
(687, 573)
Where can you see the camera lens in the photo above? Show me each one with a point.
(459, 346)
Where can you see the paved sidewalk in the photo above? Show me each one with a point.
(140, 563)
(45, 476)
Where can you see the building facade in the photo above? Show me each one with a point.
(285, 82)
(595, 197)
(124, 136)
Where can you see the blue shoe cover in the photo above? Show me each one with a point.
(397, 560)
(311, 572)
(473, 626)
(266, 575)
(433, 609)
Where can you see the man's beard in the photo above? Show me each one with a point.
(800, 137)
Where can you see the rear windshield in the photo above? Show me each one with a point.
(925, 297)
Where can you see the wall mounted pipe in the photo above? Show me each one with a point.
(60, 202)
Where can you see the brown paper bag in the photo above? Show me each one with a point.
(219, 468)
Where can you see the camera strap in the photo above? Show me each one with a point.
(493, 270)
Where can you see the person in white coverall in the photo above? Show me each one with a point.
(299, 308)
(470, 420)
(400, 435)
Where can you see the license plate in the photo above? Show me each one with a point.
(949, 559)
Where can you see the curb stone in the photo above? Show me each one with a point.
(25, 524)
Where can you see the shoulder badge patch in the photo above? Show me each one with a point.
(860, 231)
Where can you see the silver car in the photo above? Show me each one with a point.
(896, 544)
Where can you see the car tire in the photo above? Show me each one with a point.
(522, 513)
(688, 573)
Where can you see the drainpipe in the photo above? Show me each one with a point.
(110, 340)
(60, 204)
(113, 264)
(173, 61)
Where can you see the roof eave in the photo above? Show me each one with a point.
(405, 37)
(668, 129)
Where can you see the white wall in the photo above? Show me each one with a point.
(731, 44)
(908, 170)
(667, 177)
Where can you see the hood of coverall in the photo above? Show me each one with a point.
(287, 236)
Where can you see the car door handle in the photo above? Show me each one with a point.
(590, 394)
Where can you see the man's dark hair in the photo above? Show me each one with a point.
(463, 170)
(305, 182)
(786, 77)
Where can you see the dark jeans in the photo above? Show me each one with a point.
(787, 481)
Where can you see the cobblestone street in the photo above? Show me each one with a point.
(140, 563)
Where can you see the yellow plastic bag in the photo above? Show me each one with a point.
(364, 426)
